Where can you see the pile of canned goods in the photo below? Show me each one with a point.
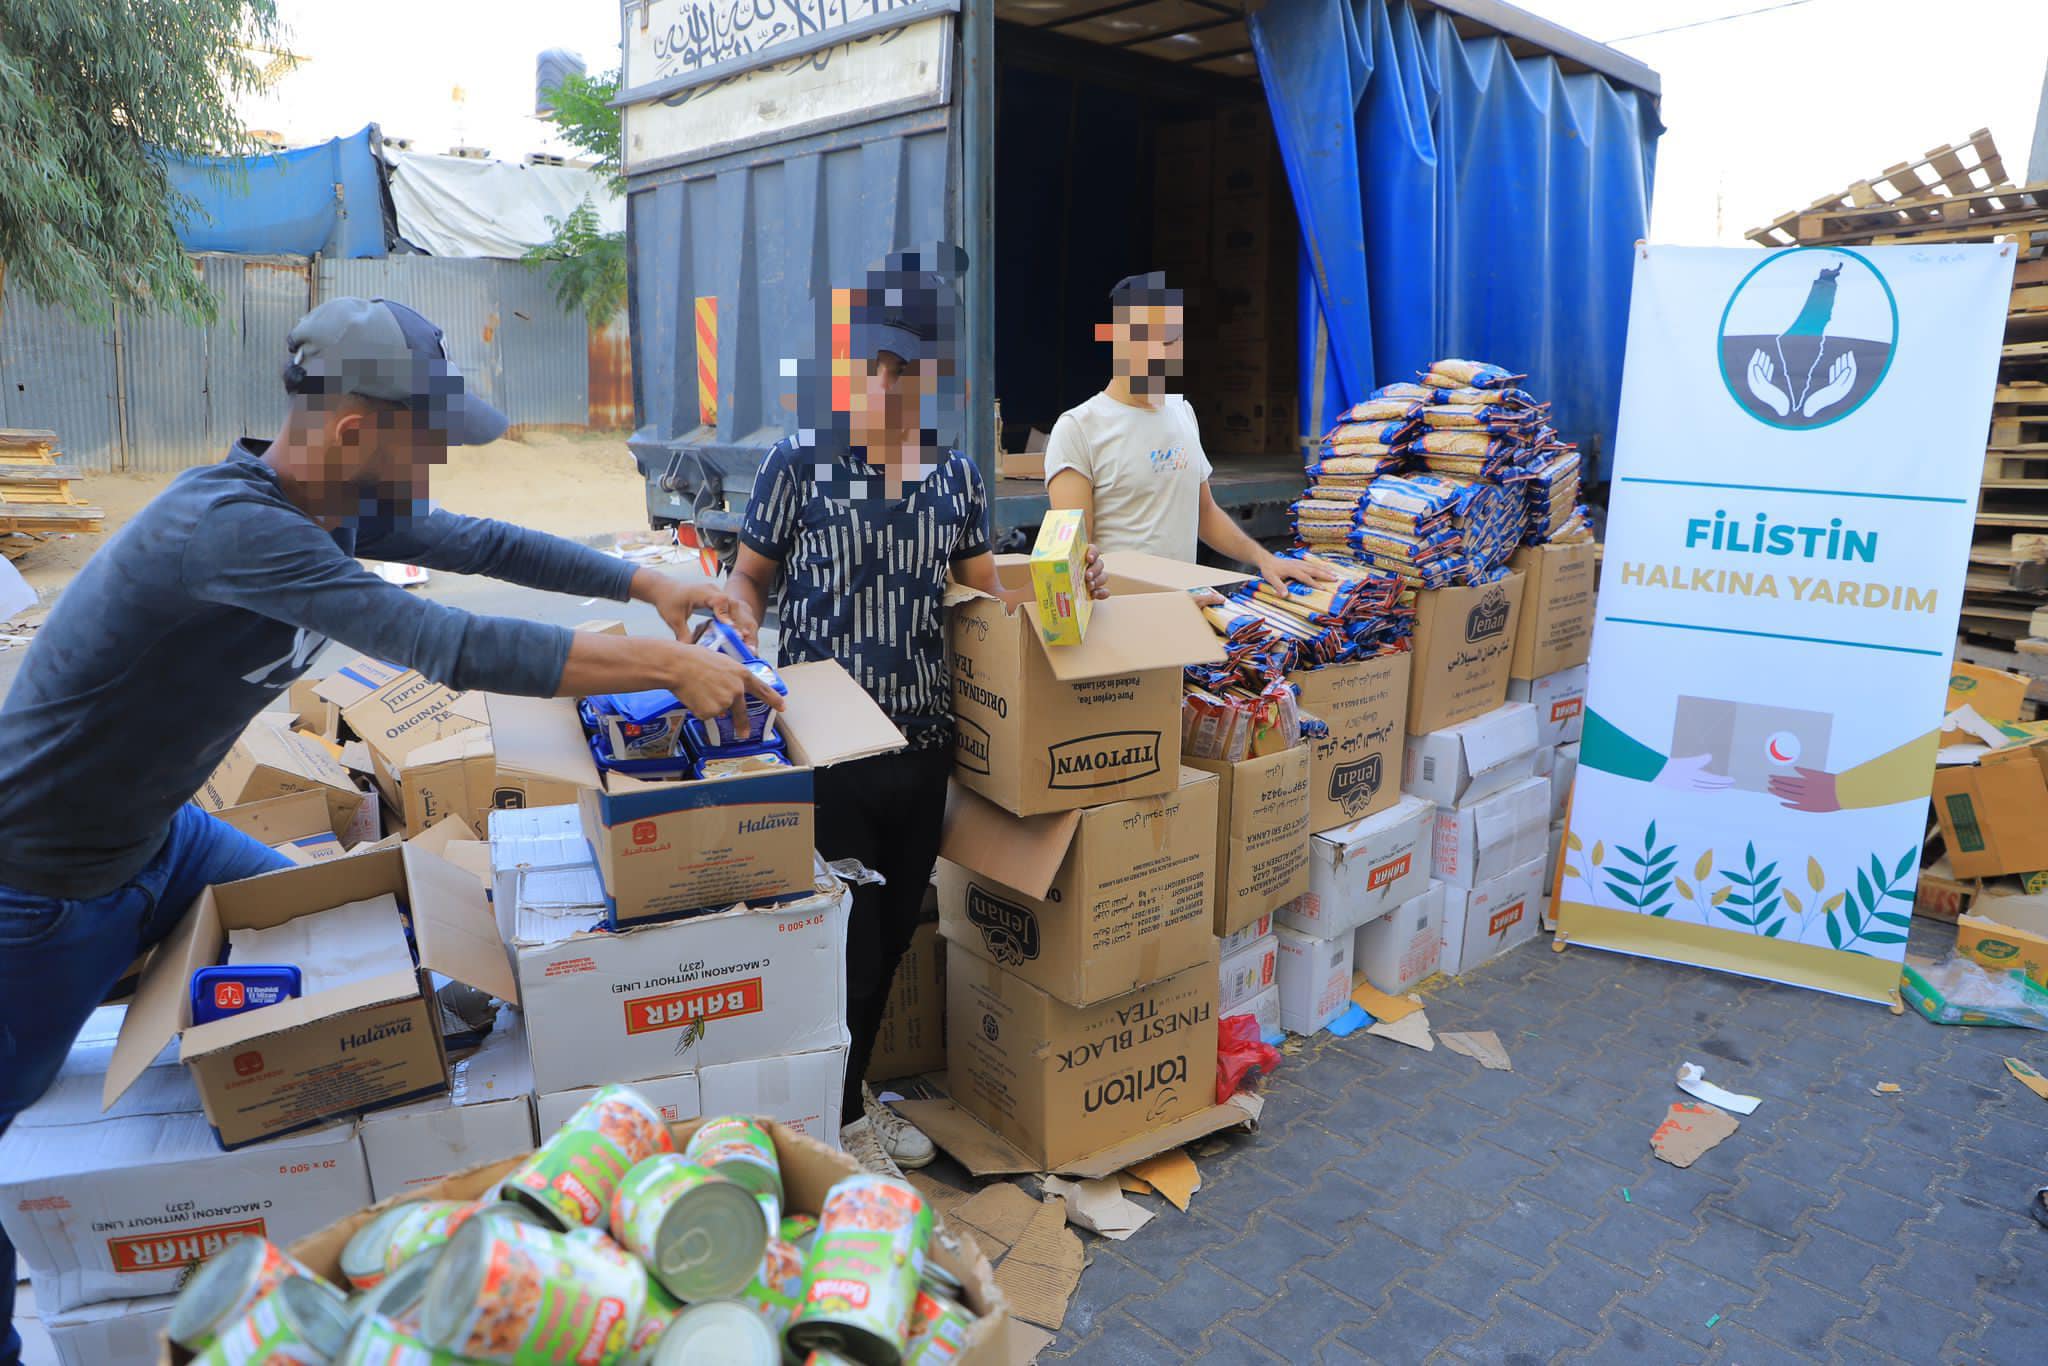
(606, 1247)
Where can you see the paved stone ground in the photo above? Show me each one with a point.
(1401, 1206)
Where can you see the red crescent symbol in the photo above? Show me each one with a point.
(1781, 758)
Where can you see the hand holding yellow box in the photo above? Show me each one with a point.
(1059, 576)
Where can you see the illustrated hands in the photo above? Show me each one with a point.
(1689, 774)
(1098, 576)
(1811, 790)
(1281, 572)
(1841, 379)
(1761, 374)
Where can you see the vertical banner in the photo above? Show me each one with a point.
(1801, 438)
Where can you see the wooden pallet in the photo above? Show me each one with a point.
(36, 497)
(1910, 192)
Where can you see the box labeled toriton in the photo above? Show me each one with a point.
(1043, 728)
(1483, 922)
(1405, 945)
(1245, 973)
(912, 1039)
(1464, 643)
(1061, 1082)
(1355, 770)
(1474, 758)
(1492, 836)
(271, 760)
(1363, 870)
(1261, 834)
(1994, 813)
(1555, 627)
(1082, 904)
(1314, 977)
(1559, 701)
(336, 1051)
(487, 1114)
(1059, 577)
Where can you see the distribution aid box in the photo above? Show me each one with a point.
(459, 775)
(1314, 976)
(1404, 946)
(1245, 972)
(487, 1114)
(669, 848)
(1554, 629)
(1464, 643)
(1087, 904)
(912, 1037)
(337, 1051)
(1992, 693)
(110, 1334)
(1041, 727)
(1559, 700)
(1062, 1082)
(270, 760)
(1262, 814)
(1483, 922)
(1355, 770)
(1994, 813)
(2003, 948)
(395, 710)
(1363, 870)
(673, 1098)
(1474, 758)
(1483, 839)
(800, 1090)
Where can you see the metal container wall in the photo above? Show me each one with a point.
(58, 373)
(541, 343)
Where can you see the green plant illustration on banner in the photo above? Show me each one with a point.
(1645, 885)
(1757, 900)
(1864, 916)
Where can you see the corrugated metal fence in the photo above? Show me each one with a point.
(151, 392)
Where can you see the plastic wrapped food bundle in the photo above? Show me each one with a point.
(1468, 374)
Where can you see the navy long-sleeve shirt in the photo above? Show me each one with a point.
(195, 615)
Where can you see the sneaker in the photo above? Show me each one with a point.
(906, 1144)
(864, 1146)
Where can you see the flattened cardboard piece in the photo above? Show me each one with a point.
(985, 1153)
(437, 839)
(280, 820)
(1173, 1174)
(1026, 1341)
(472, 857)
(1482, 1046)
(1043, 1270)
(1689, 1130)
(1001, 1210)
(1024, 852)
(1412, 1030)
(1380, 1005)
(2026, 1076)
(829, 719)
(452, 921)
(1099, 1206)
(940, 1196)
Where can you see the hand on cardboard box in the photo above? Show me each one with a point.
(1811, 790)
(1688, 773)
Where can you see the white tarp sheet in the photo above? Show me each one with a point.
(451, 206)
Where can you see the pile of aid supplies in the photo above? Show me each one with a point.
(605, 1247)
(650, 735)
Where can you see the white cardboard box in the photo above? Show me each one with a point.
(1405, 945)
(677, 1098)
(802, 1090)
(1559, 701)
(119, 1206)
(1488, 920)
(1465, 762)
(111, 1333)
(487, 1115)
(1492, 836)
(1244, 974)
(1563, 772)
(1363, 870)
(1556, 856)
(541, 864)
(1265, 1008)
(1231, 943)
(1314, 976)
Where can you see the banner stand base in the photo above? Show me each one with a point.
(1773, 960)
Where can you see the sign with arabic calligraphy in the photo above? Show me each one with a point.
(673, 43)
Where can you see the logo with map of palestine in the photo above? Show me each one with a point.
(1807, 336)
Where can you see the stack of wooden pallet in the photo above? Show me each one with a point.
(1961, 194)
(36, 498)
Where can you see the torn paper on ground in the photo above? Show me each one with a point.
(1173, 1175)
(1412, 1029)
(1001, 1212)
(1482, 1047)
(1690, 1129)
(1692, 1080)
(1099, 1206)
(1382, 1006)
(349, 943)
(1042, 1270)
(2028, 1077)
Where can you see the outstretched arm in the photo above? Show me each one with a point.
(1221, 533)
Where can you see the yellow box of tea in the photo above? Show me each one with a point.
(1059, 576)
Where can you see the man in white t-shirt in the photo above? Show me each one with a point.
(1131, 457)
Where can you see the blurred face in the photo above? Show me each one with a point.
(1145, 344)
(888, 403)
(370, 452)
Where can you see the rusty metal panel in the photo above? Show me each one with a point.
(611, 376)
(57, 372)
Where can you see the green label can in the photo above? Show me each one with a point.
(528, 1296)
(425, 1224)
(362, 1259)
(699, 1232)
(798, 1228)
(227, 1285)
(740, 1150)
(571, 1177)
(377, 1341)
(300, 1322)
(723, 1331)
(861, 1277)
(938, 1329)
(778, 1285)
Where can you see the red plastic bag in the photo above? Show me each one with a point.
(1241, 1056)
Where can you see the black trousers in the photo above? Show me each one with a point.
(886, 812)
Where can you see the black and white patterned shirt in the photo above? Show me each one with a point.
(863, 577)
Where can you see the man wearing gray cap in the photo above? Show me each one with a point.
(206, 606)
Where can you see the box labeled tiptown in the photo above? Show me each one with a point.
(1405, 945)
(1355, 770)
(395, 711)
(1363, 870)
(1262, 813)
(1059, 577)
(1555, 628)
(1464, 643)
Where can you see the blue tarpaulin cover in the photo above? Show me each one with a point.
(286, 202)
(1455, 200)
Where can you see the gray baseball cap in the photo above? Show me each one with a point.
(384, 350)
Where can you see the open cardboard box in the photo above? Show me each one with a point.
(1262, 815)
(1042, 727)
(334, 1052)
(272, 760)
(1994, 813)
(395, 711)
(669, 848)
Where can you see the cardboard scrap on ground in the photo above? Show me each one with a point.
(1483, 1047)
(1692, 1079)
(940, 1196)
(1885, 1088)
(1027, 1342)
(1411, 1029)
(999, 1212)
(1689, 1130)
(1099, 1206)
(1382, 1006)
(1173, 1175)
(1135, 1185)
(2028, 1077)
(1041, 1272)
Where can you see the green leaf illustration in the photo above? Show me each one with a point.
(1907, 865)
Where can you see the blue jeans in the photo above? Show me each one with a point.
(58, 960)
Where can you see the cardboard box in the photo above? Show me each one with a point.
(1042, 728)
(801, 1090)
(1021, 465)
(1083, 905)
(1262, 811)
(1559, 701)
(1355, 770)
(312, 713)
(676, 1098)
(669, 998)
(2003, 948)
(310, 849)
(459, 775)
(1564, 771)
(1554, 630)
(1265, 1008)
(1464, 643)
(488, 1114)
(1483, 922)
(1061, 1082)
(1237, 939)
(339, 1051)
(1363, 870)
(1473, 759)
(1245, 973)
(1404, 946)
(1991, 693)
(1994, 813)
(542, 870)
(1314, 977)
(270, 760)
(1493, 836)
(120, 1205)
(111, 1333)
(912, 1039)
(1059, 577)
(395, 711)
(667, 849)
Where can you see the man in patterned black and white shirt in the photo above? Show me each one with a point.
(864, 519)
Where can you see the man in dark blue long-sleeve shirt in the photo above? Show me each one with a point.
(199, 612)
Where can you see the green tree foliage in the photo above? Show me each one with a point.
(89, 95)
(586, 265)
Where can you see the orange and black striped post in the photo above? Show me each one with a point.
(707, 360)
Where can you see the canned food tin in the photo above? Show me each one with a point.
(647, 1335)
(362, 1257)
(699, 1232)
(861, 1277)
(300, 1322)
(740, 1150)
(377, 1341)
(824, 1358)
(425, 1224)
(798, 1228)
(724, 1331)
(570, 1179)
(397, 1296)
(226, 1285)
(778, 1285)
(528, 1296)
(938, 1329)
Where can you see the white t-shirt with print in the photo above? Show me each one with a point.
(1147, 466)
